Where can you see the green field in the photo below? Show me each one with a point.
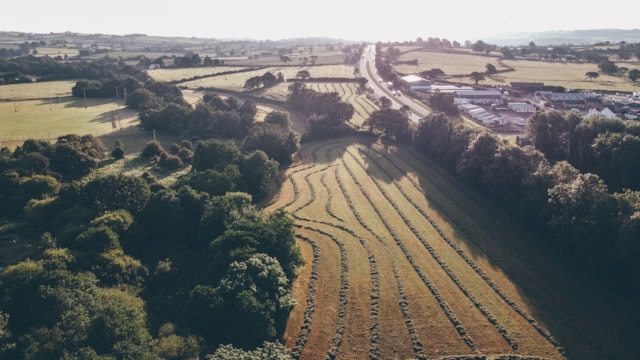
(37, 90)
(45, 119)
(570, 75)
(452, 63)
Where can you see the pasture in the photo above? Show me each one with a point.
(452, 63)
(402, 261)
(570, 75)
(36, 90)
(49, 118)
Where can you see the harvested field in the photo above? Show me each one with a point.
(392, 273)
(236, 81)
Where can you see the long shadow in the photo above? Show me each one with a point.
(560, 295)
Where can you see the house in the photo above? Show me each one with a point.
(606, 112)
(479, 96)
(415, 83)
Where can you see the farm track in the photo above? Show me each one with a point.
(405, 281)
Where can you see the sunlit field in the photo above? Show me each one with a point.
(404, 262)
(48, 119)
(177, 74)
(36, 90)
(236, 81)
(569, 75)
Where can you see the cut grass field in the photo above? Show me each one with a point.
(402, 261)
(236, 81)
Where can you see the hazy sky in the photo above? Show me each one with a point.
(347, 19)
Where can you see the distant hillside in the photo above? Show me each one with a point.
(573, 37)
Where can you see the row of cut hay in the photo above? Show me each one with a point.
(372, 268)
(515, 276)
(485, 312)
(403, 301)
(435, 292)
(376, 336)
(428, 318)
(471, 264)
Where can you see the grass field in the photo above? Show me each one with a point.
(391, 273)
(569, 75)
(37, 90)
(450, 63)
(48, 119)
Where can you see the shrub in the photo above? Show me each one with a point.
(152, 149)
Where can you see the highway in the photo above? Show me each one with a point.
(368, 71)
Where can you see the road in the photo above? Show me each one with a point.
(368, 71)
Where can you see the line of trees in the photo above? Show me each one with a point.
(574, 210)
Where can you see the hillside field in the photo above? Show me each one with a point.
(404, 262)
(456, 64)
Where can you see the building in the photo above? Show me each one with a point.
(479, 96)
(521, 107)
(527, 87)
(566, 100)
(606, 112)
(415, 83)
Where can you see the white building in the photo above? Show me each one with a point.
(521, 107)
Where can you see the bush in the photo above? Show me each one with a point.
(117, 153)
(171, 162)
(152, 149)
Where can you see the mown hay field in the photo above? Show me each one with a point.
(402, 261)
(236, 81)
(348, 92)
(177, 74)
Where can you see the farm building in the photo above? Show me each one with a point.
(521, 107)
(448, 88)
(415, 83)
(479, 96)
(529, 87)
(566, 100)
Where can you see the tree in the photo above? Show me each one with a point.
(214, 154)
(118, 150)
(634, 74)
(584, 218)
(592, 75)
(115, 192)
(491, 69)
(392, 123)
(303, 74)
(476, 76)
(274, 136)
(255, 292)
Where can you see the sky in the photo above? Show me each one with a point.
(357, 20)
